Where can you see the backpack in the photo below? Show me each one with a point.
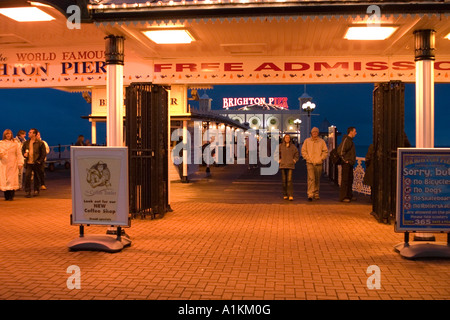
(334, 157)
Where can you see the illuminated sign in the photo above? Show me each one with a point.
(280, 102)
(297, 69)
(86, 66)
(423, 189)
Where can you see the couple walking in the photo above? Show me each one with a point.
(314, 151)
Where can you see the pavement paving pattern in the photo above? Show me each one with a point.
(230, 237)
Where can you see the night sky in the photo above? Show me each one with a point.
(57, 114)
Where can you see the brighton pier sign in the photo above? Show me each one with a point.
(86, 67)
(281, 102)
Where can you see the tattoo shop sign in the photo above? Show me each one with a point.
(423, 190)
(99, 186)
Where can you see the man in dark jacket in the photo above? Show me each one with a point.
(347, 152)
(34, 152)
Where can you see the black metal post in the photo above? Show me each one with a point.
(424, 44)
(114, 51)
(406, 239)
(119, 233)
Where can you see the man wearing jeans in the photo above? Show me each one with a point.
(314, 151)
(33, 151)
(348, 154)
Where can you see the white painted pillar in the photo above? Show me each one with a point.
(425, 40)
(424, 57)
(94, 132)
(184, 178)
(169, 144)
(114, 55)
(114, 90)
(425, 104)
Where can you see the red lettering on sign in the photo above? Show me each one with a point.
(236, 66)
(161, 66)
(268, 66)
(376, 65)
(210, 66)
(318, 66)
(438, 65)
(403, 65)
(296, 66)
(192, 67)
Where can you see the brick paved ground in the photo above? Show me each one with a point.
(229, 237)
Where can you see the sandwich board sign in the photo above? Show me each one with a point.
(423, 195)
(99, 196)
(100, 186)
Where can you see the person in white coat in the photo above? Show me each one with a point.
(11, 160)
(314, 151)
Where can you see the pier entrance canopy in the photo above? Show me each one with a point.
(61, 44)
(228, 42)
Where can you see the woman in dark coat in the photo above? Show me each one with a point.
(288, 156)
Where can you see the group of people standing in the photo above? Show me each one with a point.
(314, 151)
(81, 142)
(20, 160)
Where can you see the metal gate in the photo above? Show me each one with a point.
(388, 135)
(147, 140)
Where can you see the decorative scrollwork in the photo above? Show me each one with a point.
(358, 177)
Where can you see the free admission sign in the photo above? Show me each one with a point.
(99, 185)
(423, 190)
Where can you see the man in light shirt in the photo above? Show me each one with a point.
(314, 151)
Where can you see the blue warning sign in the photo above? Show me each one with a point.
(423, 189)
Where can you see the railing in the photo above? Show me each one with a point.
(358, 176)
(59, 152)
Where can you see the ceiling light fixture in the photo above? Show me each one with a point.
(369, 33)
(447, 37)
(169, 36)
(26, 14)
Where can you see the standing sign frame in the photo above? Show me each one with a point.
(423, 199)
(100, 195)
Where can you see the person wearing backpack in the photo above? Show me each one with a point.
(347, 152)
